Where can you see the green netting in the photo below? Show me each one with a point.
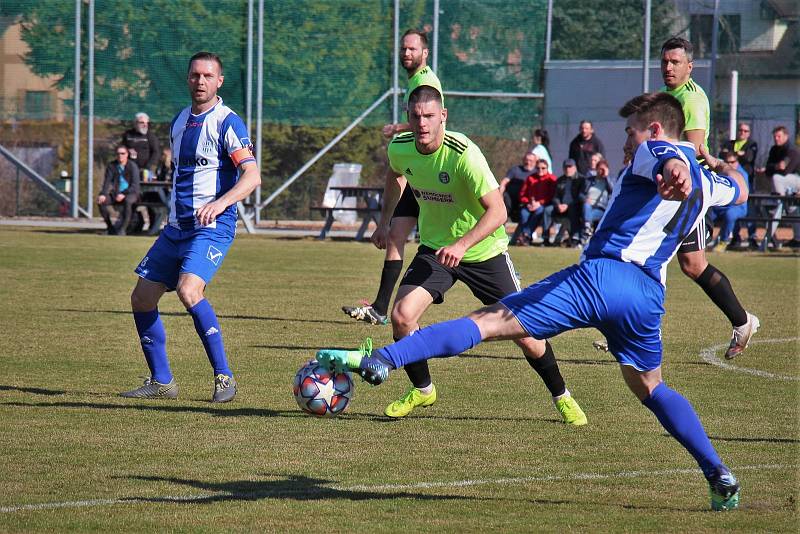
(325, 61)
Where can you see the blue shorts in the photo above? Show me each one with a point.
(199, 252)
(615, 297)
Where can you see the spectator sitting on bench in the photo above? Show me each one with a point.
(729, 229)
(595, 196)
(121, 189)
(513, 181)
(535, 198)
(566, 211)
(164, 168)
(783, 169)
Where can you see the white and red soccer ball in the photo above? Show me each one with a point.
(321, 392)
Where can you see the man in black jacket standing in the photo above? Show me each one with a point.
(584, 145)
(120, 188)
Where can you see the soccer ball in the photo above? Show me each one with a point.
(321, 392)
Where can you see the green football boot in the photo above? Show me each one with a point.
(372, 369)
(724, 490)
(406, 404)
(570, 411)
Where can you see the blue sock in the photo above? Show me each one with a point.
(678, 417)
(207, 326)
(438, 340)
(153, 338)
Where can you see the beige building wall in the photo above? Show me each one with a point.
(23, 94)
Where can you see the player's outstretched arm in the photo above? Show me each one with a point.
(249, 179)
(721, 167)
(390, 130)
(674, 182)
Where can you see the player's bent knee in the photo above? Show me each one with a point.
(693, 264)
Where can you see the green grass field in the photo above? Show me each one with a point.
(490, 455)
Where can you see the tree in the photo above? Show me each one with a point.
(607, 29)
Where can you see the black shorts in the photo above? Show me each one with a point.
(698, 237)
(407, 206)
(489, 280)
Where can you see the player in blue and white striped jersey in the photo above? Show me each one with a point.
(214, 169)
(618, 287)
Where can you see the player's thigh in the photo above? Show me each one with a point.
(498, 322)
(205, 251)
(634, 305)
(407, 205)
(162, 262)
(191, 289)
(426, 272)
(490, 280)
(563, 301)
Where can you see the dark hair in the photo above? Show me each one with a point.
(424, 93)
(538, 132)
(781, 128)
(604, 162)
(584, 121)
(121, 145)
(659, 107)
(208, 56)
(679, 42)
(422, 36)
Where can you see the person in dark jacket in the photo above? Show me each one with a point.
(566, 210)
(584, 145)
(143, 145)
(121, 189)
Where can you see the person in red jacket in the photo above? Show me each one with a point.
(535, 200)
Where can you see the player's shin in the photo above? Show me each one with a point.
(153, 338)
(547, 368)
(207, 326)
(678, 417)
(438, 340)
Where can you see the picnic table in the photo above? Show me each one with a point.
(369, 199)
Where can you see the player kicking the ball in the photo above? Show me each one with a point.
(461, 217)
(215, 168)
(618, 287)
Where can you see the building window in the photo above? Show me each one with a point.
(38, 104)
(700, 31)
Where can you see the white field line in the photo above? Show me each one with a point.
(379, 487)
(710, 356)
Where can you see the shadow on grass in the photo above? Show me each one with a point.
(168, 406)
(294, 487)
(754, 440)
(243, 317)
(35, 391)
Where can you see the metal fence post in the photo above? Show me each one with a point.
(76, 113)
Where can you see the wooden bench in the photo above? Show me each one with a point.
(764, 207)
(368, 214)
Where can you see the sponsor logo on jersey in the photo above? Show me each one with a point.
(408, 171)
(214, 254)
(434, 196)
(209, 146)
(199, 161)
(663, 150)
(444, 177)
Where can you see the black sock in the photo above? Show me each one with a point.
(389, 275)
(547, 367)
(718, 288)
(418, 372)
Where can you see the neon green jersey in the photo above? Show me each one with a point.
(695, 106)
(423, 76)
(448, 186)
